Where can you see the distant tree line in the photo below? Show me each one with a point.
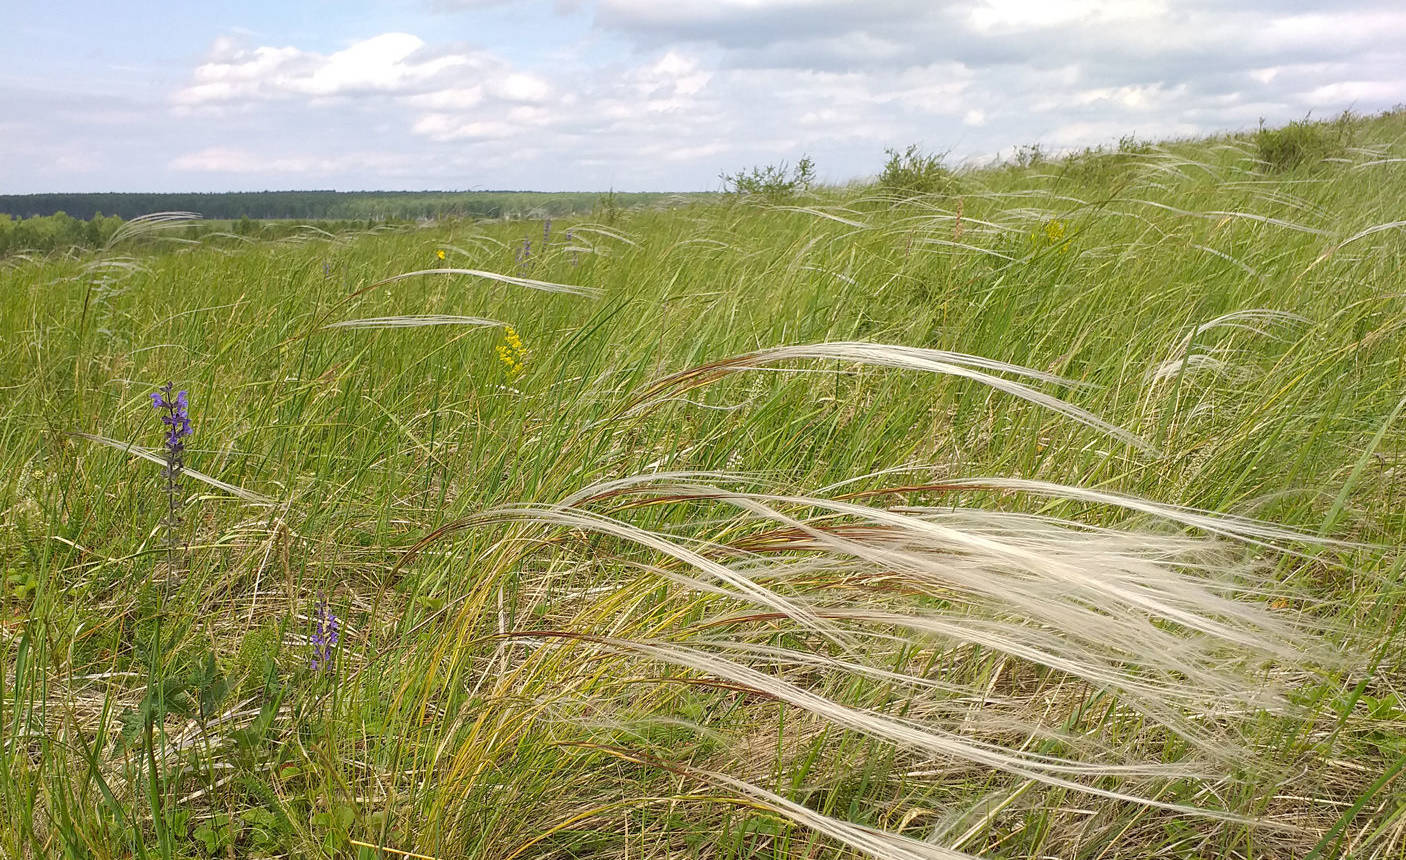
(45, 222)
(60, 231)
(350, 205)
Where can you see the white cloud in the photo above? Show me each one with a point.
(1136, 97)
(389, 63)
(674, 74)
(642, 93)
(382, 63)
(1340, 28)
(520, 87)
(1351, 92)
(453, 98)
(1076, 134)
(936, 89)
(220, 159)
(694, 14)
(443, 128)
(1014, 15)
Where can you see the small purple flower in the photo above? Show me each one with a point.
(176, 417)
(175, 414)
(546, 231)
(324, 637)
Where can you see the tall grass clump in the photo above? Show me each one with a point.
(1101, 165)
(913, 172)
(1060, 517)
(1303, 143)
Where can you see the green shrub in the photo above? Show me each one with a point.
(1302, 142)
(772, 181)
(57, 231)
(913, 172)
(1128, 144)
(1028, 155)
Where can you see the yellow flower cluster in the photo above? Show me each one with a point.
(1053, 236)
(439, 253)
(511, 351)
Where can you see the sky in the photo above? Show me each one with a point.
(641, 95)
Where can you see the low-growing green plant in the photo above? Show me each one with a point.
(1302, 143)
(608, 207)
(913, 172)
(20, 584)
(1129, 144)
(1028, 155)
(1104, 166)
(775, 182)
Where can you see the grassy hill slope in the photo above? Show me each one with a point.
(1056, 512)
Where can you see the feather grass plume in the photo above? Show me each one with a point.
(971, 367)
(1173, 630)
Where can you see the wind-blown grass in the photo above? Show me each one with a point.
(889, 355)
(413, 321)
(871, 525)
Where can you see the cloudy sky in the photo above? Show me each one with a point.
(642, 94)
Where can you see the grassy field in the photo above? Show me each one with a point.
(1057, 513)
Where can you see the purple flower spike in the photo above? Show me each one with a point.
(177, 409)
(324, 637)
(175, 416)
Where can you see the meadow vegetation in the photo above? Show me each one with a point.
(775, 182)
(1053, 509)
(1305, 143)
(377, 206)
(913, 172)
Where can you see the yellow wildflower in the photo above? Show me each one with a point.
(439, 253)
(1052, 234)
(511, 351)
